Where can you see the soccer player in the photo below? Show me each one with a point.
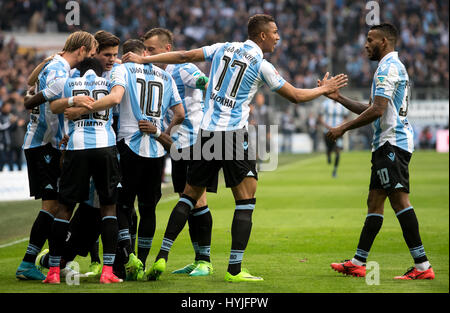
(145, 94)
(190, 82)
(44, 132)
(331, 115)
(237, 70)
(91, 152)
(392, 148)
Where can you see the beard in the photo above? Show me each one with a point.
(376, 54)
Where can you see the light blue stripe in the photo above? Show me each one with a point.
(404, 210)
(236, 256)
(375, 214)
(60, 220)
(188, 202)
(201, 212)
(166, 244)
(245, 207)
(43, 211)
(109, 217)
(362, 253)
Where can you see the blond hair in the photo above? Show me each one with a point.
(79, 39)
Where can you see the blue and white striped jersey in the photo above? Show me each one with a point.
(185, 77)
(238, 69)
(333, 113)
(90, 131)
(391, 81)
(149, 93)
(44, 126)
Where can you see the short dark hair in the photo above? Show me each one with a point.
(256, 24)
(388, 30)
(133, 45)
(105, 40)
(90, 64)
(161, 33)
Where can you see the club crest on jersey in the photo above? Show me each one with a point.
(391, 156)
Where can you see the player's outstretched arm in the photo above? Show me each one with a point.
(34, 101)
(108, 101)
(368, 116)
(352, 105)
(173, 57)
(297, 95)
(58, 106)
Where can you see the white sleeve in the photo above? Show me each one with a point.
(175, 99)
(119, 76)
(271, 76)
(54, 86)
(386, 80)
(209, 51)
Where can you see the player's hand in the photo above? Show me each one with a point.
(334, 84)
(147, 127)
(335, 133)
(30, 93)
(83, 102)
(63, 141)
(74, 112)
(131, 57)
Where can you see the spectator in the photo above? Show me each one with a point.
(426, 138)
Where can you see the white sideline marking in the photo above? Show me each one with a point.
(14, 242)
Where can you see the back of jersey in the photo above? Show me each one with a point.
(90, 131)
(149, 93)
(238, 69)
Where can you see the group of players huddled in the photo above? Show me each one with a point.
(100, 128)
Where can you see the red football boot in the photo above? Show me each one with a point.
(52, 276)
(108, 276)
(412, 273)
(348, 268)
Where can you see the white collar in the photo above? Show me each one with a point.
(62, 60)
(387, 56)
(89, 72)
(253, 44)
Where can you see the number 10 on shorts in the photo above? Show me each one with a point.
(384, 176)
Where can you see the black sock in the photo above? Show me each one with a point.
(410, 227)
(146, 231)
(110, 229)
(240, 233)
(372, 226)
(192, 222)
(94, 253)
(57, 241)
(40, 231)
(177, 220)
(203, 223)
(133, 230)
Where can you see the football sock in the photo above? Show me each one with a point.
(133, 230)
(40, 232)
(109, 233)
(240, 233)
(372, 226)
(94, 252)
(192, 222)
(177, 220)
(56, 241)
(410, 227)
(146, 231)
(203, 224)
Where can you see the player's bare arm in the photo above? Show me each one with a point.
(174, 57)
(297, 95)
(178, 117)
(58, 106)
(108, 101)
(368, 116)
(352, 105)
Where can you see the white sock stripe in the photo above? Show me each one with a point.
(404, 210)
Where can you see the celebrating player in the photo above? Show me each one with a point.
(392, 148)
(238, 69)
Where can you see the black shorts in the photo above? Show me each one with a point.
(230, 150)
(390, 169)
(141, 177)
(43, 166)
(80, 165)
(180, 169)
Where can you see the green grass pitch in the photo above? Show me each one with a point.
(304, 220)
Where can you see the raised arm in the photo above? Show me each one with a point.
(174, 57)
(298, 95)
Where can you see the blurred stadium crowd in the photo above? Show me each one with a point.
(300, 57)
